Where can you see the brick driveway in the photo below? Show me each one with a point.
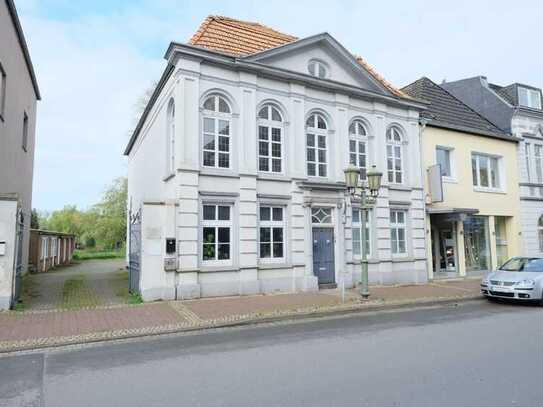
(89, 283)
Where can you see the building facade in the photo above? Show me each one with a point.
(19, 94)
(236, 169)
(516, 109)
(473, 198)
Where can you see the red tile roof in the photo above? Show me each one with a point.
(241, 38)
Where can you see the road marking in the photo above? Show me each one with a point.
(457, 288)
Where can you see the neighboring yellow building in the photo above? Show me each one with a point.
(473, 197)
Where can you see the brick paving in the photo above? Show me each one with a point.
(90, 283)
(34, 329)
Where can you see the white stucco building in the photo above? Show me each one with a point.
(518, 110)
(236, 169)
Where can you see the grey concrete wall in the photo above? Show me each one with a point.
(16, 164)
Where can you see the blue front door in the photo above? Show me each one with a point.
(323, 255)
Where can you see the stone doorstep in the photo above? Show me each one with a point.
(229, 321)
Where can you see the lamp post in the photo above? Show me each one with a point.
(357, 188)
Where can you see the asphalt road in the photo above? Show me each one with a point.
(476, 354)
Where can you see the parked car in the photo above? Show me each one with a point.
(520, 278)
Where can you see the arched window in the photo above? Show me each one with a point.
(216, 132)
(170, 138)
(540, 232)
(316, 146)
(394, 155)
(270, 139)
(317, 68)
(358, 146)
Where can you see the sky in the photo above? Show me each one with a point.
(94, 60)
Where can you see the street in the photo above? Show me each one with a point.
(474, 354)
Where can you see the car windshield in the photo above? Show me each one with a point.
(524, 264)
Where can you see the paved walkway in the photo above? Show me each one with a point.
(31, 329)
(90, 283)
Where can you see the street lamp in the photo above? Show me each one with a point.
(356, 188)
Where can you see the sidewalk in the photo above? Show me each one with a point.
(36, 329)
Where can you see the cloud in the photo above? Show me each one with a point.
(90, 72)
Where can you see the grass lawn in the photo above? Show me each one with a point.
(89, 254)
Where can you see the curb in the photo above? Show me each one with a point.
(250, 321)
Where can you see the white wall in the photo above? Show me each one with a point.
(246, 188)
(8, 213)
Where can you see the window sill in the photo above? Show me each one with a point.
(489, 190)
(271, 265)
(273, 176)
(219, 172)
(168, 177)
(399, 187)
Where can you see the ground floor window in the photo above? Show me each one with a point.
(272, 236)
(357, 233)
(476, 243)
(216, 232)
(398, 227)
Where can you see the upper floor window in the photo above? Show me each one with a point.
(316, 143)
(485, 171)
(3, 85)
(216, 132)
(317, 68)
(538, 162)
(270, 139)
(529, 98)
(170, 138)
(444, 159)
(358, 147)
(394, 155)
(25, 132)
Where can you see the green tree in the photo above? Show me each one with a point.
(34, 219)
(110, 228)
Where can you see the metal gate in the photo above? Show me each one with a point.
(18, 275)
(134, 253)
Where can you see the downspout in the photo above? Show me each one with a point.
(422, 126)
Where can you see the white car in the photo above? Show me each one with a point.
(520, 278)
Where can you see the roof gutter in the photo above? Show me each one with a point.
(20, 35)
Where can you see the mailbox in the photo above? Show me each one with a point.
(2, 248)
(170, 245)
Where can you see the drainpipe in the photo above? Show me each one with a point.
(428, 235)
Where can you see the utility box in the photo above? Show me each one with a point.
(2, 248)
(170, 264)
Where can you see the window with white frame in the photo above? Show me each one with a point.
(216, 233)
(394, 155)
(398, 226)
(53, 247)
(538, 162)
(321, 215)
(444, 159)
(270, 139)
(316, 146)
(358, 147)
(528, 153)
(485, 171)
(540, 232)
(529, 97)
(3, 86)
(170, 137)
(357, 232)
(216, 132)
(272, 233)
(317, 68)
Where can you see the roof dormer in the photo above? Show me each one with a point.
(529, 97)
